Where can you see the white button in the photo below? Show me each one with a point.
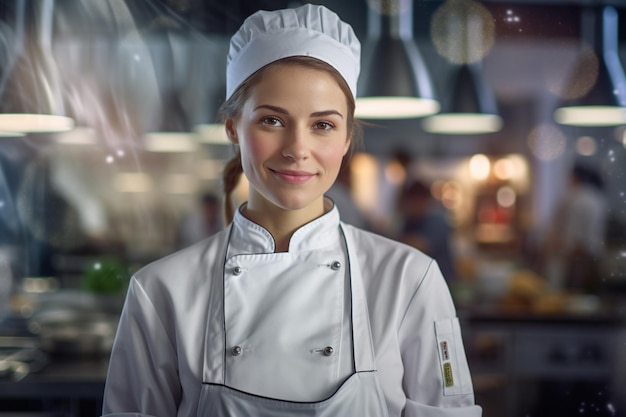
(328, 350)
(237, 350)
(335, 265)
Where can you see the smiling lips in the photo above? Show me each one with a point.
(293, 177)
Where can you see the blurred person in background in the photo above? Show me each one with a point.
(425, 226)
(204, 221)
(290, 311)
(341, 194)
(575, 245)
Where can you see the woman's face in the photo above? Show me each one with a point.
(293, 133)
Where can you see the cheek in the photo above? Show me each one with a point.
(332, 156)
(254, 148)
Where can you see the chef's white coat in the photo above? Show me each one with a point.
(156, 366)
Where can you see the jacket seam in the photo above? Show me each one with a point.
(156, 313)
(417, 288)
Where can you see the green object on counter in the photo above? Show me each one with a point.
(105, 276)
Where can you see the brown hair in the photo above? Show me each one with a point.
(231, 109)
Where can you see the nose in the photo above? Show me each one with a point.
(296, 144)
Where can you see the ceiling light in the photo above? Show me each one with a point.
(77, 136)
(170, 142)
(7, 134)
(605, 103)
(395, 82)
(180, 184)
(463, 123)
(591, 115)
(212, 133)
(209, 169)
(31, 100)
(471, 107)
(35, 123)
(133, 182)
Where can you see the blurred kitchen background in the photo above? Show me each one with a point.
(526, 214)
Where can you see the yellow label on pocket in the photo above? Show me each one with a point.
(447, 374)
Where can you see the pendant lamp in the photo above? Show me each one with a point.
(31, 101)
(605, 103)
(394, 83)
(470, 108)
(10, 134)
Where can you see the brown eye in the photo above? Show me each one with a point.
(324, 125)
(271, 121)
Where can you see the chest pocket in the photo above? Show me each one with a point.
(283, 324)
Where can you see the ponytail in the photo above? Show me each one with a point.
(230, 178)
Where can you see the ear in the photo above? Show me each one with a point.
(231, 132)
(347, 145)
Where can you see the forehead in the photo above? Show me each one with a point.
(281, 83)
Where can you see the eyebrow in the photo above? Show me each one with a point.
(284, 111)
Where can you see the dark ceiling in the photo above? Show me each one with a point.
(542, 18)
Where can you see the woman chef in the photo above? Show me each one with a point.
(289, 311)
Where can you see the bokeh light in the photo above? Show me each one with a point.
(546, 142)
(395, 173)
(506, 196)
(579, 79)
(463, 31)
(451, 195)
(503, 169)
(479, 166)
(436, 189)
(364, 169)
(586, 146)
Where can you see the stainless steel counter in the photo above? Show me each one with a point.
(528, 364)
(68, 387)
(68, 378)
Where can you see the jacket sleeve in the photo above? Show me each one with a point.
(142, 378)
(436, 379)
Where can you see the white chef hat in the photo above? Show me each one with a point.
(309, 30)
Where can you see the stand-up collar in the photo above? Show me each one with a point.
(248, 237)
